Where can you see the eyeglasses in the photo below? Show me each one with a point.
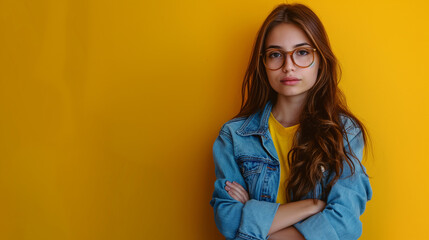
(275, 59)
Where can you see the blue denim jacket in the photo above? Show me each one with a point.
(244, 152)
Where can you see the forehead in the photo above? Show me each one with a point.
(286, 35)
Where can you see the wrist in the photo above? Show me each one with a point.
(313, 207)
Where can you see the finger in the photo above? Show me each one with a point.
(235, 196)
(237, 191)
(234, 191)
(243, 193)
(230, 191)
(239, 186)
(242, 190)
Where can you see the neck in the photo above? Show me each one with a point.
(288, 109)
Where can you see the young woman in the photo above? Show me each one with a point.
(288, 166)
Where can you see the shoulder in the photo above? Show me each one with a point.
(231, 126)
(350, 127)
(353, 140)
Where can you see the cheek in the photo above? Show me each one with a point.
(272, 76)
(314, 71)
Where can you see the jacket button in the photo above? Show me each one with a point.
(265, 196)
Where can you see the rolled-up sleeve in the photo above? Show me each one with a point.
(250, 221)
(345, 204)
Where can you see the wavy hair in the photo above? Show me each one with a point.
(318, 141)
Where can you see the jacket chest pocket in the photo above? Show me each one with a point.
(251, 168)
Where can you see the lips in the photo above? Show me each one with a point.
(289, 81)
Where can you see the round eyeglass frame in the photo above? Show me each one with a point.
(285, 53)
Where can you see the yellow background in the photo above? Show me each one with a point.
(109, 109)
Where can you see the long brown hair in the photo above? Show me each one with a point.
(319, 138)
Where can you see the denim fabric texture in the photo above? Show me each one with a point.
(244, 152)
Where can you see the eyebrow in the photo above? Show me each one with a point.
(297, 45)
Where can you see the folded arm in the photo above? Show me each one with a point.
(287, 214)
(289, 233)
(346, 202)
(234, 219)
(251, 219)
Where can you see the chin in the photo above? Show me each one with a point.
(291, 93)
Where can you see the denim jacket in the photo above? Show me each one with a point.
(244, 152)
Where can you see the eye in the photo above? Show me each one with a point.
(275, 55)
(302, 52)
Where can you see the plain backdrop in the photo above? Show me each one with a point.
(109, 110)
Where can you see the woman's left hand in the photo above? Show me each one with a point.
(237, 192)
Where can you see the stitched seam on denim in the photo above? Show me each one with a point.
(350, 141)
(254, 171)
(240, 131)
(245, 236)
(243, 158)
(236, 119)
(264, 120)
(349, 151)
(226, 134)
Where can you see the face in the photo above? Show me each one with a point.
(288, 37)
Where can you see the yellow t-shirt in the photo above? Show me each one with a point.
(282, 138)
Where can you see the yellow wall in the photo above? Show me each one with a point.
(109, 109)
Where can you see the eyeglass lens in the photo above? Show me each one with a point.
(303, 57)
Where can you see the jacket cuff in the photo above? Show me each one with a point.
(256, 220)
(316, 227)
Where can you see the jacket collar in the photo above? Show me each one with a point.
(257, 123)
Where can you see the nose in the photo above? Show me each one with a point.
(288, 65)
